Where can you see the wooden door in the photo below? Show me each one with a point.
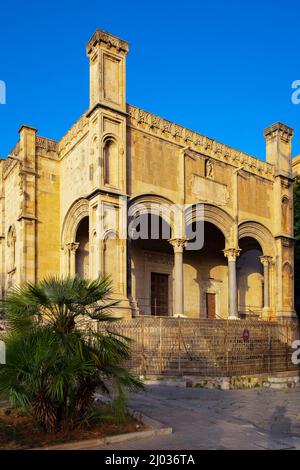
(159, 294)
(210, 306)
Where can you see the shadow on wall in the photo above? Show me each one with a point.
(250, 279)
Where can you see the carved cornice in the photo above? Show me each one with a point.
(9, 162)
(108, 39)
(47, 144)
(181, 136)
(74, 135)
(280, 130)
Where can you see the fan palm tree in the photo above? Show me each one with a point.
(60, 349)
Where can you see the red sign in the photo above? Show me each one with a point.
(246, 335)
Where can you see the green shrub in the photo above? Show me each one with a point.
(56, 358)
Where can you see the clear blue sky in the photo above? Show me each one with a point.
(222, 68)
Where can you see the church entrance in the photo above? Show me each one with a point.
(159, 294)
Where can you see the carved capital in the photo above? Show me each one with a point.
(178, 244)
(266, 261)
(232, 253)
(72, 247)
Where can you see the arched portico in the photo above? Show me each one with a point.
(199, 270)
(256, 271)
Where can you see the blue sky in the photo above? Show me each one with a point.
(222, 68)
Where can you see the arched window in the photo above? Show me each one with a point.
(11, 243)
(111, 258)
(287, 286)
(286, 215)
(111, 163)
(83, 250)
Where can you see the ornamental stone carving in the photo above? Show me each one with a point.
(232, 254)
(201, 144)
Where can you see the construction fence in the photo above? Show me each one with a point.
(165, 346)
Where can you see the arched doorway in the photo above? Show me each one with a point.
(82, 252)
(205, 274)
(250, 278)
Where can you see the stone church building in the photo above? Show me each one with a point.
(69, 207)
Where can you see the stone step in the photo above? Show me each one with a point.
(279, 382)
(274, 380)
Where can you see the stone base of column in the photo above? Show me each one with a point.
(267, 314)
(233, 318)
(123, 309)
(285, 315)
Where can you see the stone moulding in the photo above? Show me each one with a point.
(107, 38)
(181, 136)
(170, 131)
(47, 144)
(74, 135)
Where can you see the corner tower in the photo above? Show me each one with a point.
(107, 55)
(107, 160)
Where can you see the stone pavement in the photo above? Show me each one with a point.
(214, 419)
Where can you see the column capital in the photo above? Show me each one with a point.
(178, 244)
(73, 246)
(266, 260)
(232, 253)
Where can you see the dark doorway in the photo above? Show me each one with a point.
(211, 306)
(159, 294)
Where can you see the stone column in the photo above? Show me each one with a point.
(178, 300)
(72, 247)
(231, 255)
(266, 262)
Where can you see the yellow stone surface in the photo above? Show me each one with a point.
(296, 165)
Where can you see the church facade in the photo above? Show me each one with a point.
(77, 206)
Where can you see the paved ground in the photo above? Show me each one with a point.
(214, 419)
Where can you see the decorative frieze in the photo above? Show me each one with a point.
(74, 135)
(47, 144)
(161, 127)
